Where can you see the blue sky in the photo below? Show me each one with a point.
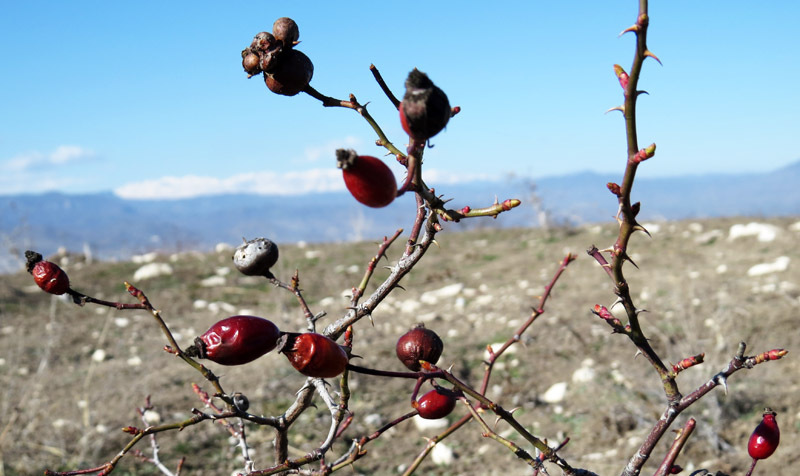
(149, 98)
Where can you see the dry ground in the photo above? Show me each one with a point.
(62, 402)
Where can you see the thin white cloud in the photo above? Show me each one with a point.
(328, 149)
(60, 156)
(261, 183)
(436, 176)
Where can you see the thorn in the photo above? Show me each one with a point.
(637, 354)
(633, 28)
(639, 311)
(436, 243)
(632, 262)
(369, 316)
(618, 301)
(721, 380)
(450, 369)
(642, 92)
(496, 421)
(401, 287)
(638, 227)
(650, 54)
(616, 108)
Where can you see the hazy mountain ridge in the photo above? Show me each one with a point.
(116, 228)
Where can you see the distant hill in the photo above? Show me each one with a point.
(115, 228)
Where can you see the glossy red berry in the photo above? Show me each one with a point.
(285, 29)
(46, 274)
(368, 179)
(436, 404)
(256, 257)
(291, 75)
(765, 438)
(314, 355)
(425, 110)
(419, 344)
(236, 340)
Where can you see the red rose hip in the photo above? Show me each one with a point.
(314, 355)
(236, 340)
(419, 344)
(425, 109)
(436, 404)
(46, 274)
(368, 179)
(765, 438)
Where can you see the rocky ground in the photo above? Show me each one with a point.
(72, 377)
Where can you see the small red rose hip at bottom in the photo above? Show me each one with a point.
(436, 404)
(766, 437)
(313, 355)
(236, 340)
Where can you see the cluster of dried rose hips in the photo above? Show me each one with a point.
(287, 71)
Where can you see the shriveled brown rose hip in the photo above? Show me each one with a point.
(250, 63)
(285, 29)
(419, 344)
(292, 75)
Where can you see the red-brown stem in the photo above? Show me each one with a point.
(675, 449)
(384, 87)
(418, 221)
(538, 311)
(387, 242)
(353, 104)
(752, 467)
(82, 299)
(393, 374)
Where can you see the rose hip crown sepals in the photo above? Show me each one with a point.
(46, 274)
(236, 340)
(425, 109)
(368, 179)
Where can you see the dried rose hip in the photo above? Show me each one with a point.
(256, 257)
(285, 30)
(438, 403)
(314, 355)
(236, 340)
(367, 178)
(250, 63)
(292, 74)
(765, 438)
(47, 275)
(425, 109)
(419, 344)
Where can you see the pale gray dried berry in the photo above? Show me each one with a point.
(256, 257)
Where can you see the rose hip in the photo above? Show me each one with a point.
(236, 340)
(419, 344)
(47, 275)
(314, 355)
(368, 179)
(438, 403)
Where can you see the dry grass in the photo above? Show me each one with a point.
(61, 409)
